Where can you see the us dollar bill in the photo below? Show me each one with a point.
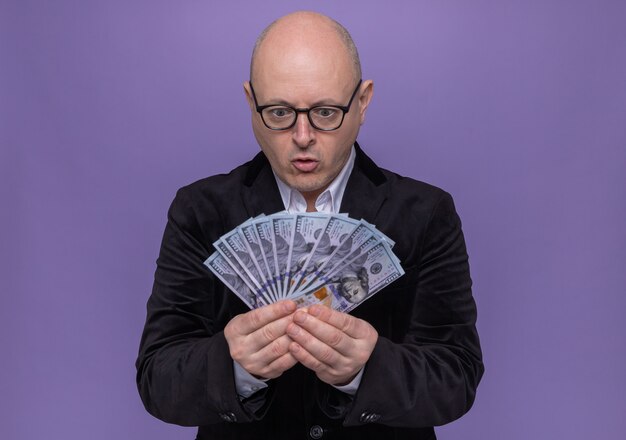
(336, 231)
(263, 227)
(225, 272)
(282, 228)
(255, 248)
(329, 271)
(356, 280)
(224, 249)
(236, 243)
(309, 228)
(350, 245)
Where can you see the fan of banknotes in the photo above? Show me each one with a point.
(310, 258)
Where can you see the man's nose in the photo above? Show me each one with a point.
(303, 132)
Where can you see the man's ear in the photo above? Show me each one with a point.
(248, 93)
(365, 98)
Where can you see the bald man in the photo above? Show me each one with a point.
(402, 362)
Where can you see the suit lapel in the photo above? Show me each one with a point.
(260, 192)
(366, 190)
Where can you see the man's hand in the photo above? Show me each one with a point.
(258, 342)
(333, 344)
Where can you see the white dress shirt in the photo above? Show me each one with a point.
(329, 202)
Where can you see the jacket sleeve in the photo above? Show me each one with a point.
(184, 369)
(429, 377)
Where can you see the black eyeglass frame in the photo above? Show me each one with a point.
(344, 110)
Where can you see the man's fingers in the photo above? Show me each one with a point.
(329, 374)
(256, 319)
(268, 335)
(331, 336)
(301, 355)
(274, 350)
(271, 367)
(279, 366)
(353, 327)
(321, 351)
(250, 332)
(337, 350)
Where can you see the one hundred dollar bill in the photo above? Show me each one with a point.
(224, 249)
(309, 228)
(255, 248)
(336, 231)
(263, 227)
(283, 228)
(225, 272)
(357, 279)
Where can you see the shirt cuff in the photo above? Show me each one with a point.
(245, 383)
(351, 387)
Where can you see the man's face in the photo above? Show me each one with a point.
(303, 157)
(353, 290)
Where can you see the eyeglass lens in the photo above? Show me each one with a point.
(324, 118)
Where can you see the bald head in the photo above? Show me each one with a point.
(301, 33)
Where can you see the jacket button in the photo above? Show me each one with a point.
(316, 432)
(228, 417)
(368, 417)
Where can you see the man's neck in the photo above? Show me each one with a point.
(327, 199)
(311, 197)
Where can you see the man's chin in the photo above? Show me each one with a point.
(308, 187)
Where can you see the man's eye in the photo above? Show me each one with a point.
(280, 112)
(325, 112)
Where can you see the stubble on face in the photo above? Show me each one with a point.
(310, 170)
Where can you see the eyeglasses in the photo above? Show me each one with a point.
(321, 117)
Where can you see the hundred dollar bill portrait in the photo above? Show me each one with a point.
(354, 285)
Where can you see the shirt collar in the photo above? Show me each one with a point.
(329, 201)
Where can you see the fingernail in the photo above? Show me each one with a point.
(299, 317)
(315, 310)
(289, 306)
(293, 330)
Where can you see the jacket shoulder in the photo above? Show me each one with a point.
(408, 189)
(210, 206)
(217, 184)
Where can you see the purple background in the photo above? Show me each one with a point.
(517, 108)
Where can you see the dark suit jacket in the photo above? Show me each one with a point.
(426, 364)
